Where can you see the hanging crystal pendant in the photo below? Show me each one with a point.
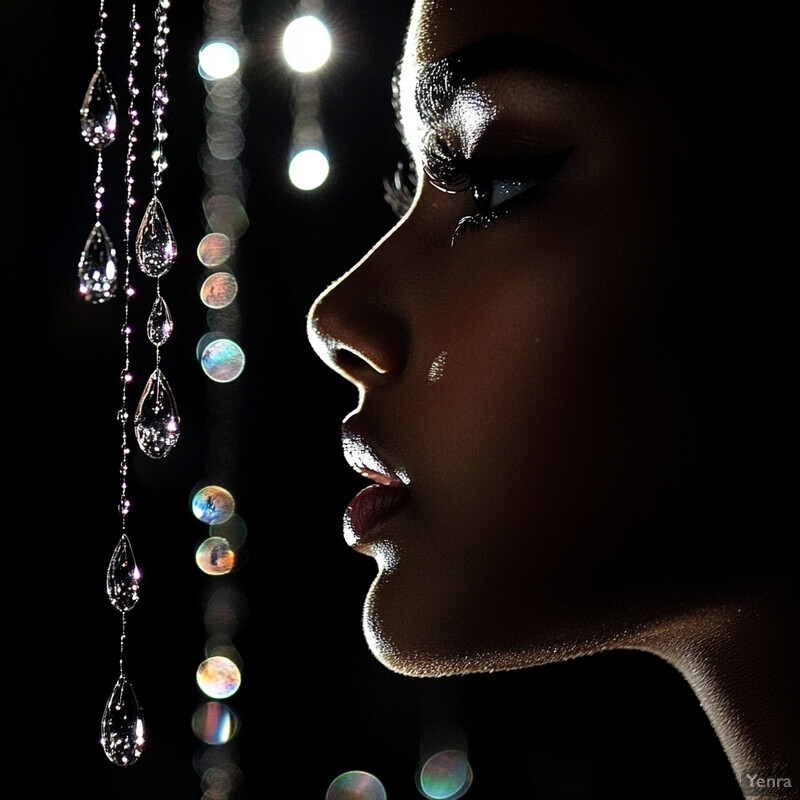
(156, 423)
(122, 726)
(159, 323)
(97, 269)
(99, 112)
(122, 577)
(156, 249)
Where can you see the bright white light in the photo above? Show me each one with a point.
(306, 44)
(217, 60)
(308, 169)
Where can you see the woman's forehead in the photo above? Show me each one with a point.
(440, 27)
(452, 43)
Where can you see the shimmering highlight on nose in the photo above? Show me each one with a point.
(436, 369)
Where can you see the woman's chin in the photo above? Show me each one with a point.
(413, 639)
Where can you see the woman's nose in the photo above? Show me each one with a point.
(356, 326)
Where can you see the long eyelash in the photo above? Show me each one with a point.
(444, 169)
(400, 188)
(473, 222)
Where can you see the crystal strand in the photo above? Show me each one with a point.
(122, 725)
(130, 159)
(97, 268)
(122, 732)
(157, 423)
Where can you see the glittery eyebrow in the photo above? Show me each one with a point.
(438, 82)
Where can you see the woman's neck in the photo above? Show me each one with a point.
(742, 663)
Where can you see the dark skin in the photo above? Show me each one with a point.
(543, 383)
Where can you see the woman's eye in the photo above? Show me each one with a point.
(492, 183)
(490, 194)
(490, 189)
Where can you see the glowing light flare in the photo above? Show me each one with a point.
(309, 169)
(217, 60)
(306, 44)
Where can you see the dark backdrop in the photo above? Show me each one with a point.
(313, 703)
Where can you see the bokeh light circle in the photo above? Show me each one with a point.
(214, 249)
(215, 722)
(308, 169)
(219, 290)
(217, 60)
(219, 677)
(225, 613)
(306, 44)
(213, 505)
(445, 776)
(215, 556)
(226, 214)
(234, 530)
(222, 360)
(356, 785)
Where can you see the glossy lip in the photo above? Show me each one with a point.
(375, 504)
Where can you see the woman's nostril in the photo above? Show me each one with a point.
(353, 364)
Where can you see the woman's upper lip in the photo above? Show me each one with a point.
(376, 504)
(363, 458)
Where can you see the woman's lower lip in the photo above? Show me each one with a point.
(369, 509)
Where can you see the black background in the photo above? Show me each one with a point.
(314, 703)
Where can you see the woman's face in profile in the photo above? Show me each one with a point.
(523, 409)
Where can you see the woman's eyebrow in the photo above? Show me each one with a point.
(438, 82)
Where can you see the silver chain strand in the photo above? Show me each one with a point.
(133, 118)
(156, 423)
(122, 726)
(99, 40)
(97, 269)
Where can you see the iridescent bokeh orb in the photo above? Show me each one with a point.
(222, 360)
(214, 249)
(356, 785)
(213, 505)
(219, 677)
(215, 556)
(215, 722)
(445, 776)
(219, 290)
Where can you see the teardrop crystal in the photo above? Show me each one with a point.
(122, 727)
(99, 112)
(123, 576)
(159, 323)
(97, 269)
(156, 249)
(156, 423)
